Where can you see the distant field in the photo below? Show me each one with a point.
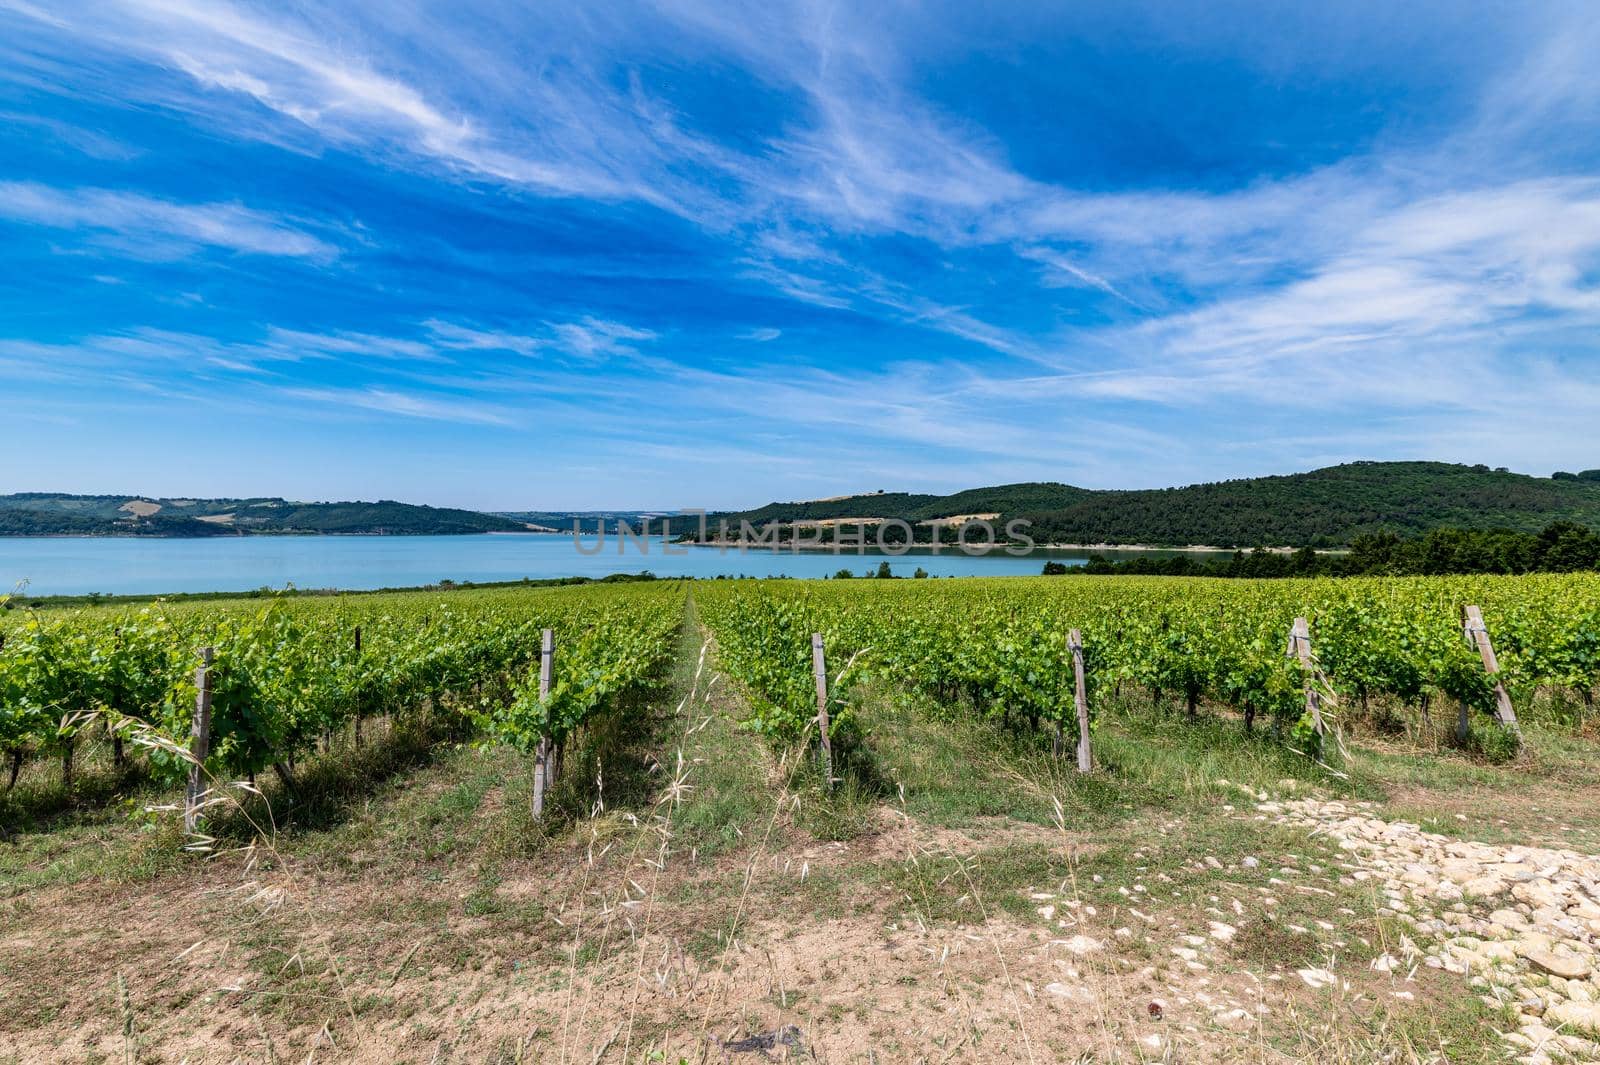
(1226, 883)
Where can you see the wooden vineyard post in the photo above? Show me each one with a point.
(1080, 699)
(358, 691)
(819, 669)
(1300, 648)
(199, 741)
(1478, 633)
(541, 760)
(16, 752)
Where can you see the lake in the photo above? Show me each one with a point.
(72, 565)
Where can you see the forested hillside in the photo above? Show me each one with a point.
(48, 514)
(1007, 498)
(1324, 508)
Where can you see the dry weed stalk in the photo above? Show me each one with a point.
(268, 884)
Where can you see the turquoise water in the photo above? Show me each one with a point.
(72, 565)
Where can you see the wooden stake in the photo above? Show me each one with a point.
(819, 669)
(1472, 624)
(16, 752)
(1300, 648)
(1080, 698)
(199, 740)
(357, 729)
(541, 758)
(116, 708)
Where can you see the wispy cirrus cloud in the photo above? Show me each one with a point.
(978, 245)
(433, 341)
(457, 337)
(416, 373)
(298, 343)
(592, 338)
(592, 141)
(144, 226)
(1458, 326)
(404, 404)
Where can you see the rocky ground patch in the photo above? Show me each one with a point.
(1521, 924)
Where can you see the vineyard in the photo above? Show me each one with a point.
(999, 648)
(283, 677)
(287, 675)
(829, 820)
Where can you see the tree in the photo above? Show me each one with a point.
(1374, 553)
(883, 573)
(1565, 546)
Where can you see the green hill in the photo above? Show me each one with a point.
(1326, 507)
(1006, 498)
(51, 514)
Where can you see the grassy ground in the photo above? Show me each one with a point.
(693, 887)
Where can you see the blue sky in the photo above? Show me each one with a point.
(676, 254)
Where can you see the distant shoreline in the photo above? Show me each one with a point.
(271, 535)
(1199, 548)
(974, 548)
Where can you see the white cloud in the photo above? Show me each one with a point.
(143, 225)
(334, 72)
(300, 344)
(409, 405)
(1459, 326)
(458, 337)
(1455, 271)
(592, 338)
(1061, 272)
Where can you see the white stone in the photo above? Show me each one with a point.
(1236, 1020)
(1317, 978)
(1082, 945)
(1584, 1016)
(1072, 992)
(1556, 963)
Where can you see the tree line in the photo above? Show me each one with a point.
(1560, 547)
